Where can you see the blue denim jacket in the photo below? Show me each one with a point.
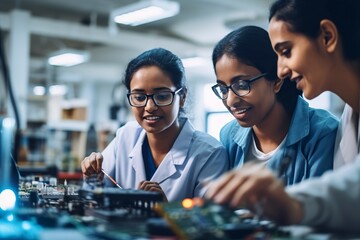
(311, 138)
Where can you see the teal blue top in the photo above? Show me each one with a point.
(311, 139)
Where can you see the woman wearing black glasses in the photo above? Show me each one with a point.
(272, 122)
(161, 151)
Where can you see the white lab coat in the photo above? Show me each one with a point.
(194, 158)
(347, 144)
(333, 200)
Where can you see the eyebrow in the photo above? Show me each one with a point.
(155, 89)
(280, 45)
(236, 78)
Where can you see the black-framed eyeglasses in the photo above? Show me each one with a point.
(239, 87)
(160, 99)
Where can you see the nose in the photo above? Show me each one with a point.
(283, 71)
(232, 98)
(150, 105)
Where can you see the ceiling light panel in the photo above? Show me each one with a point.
(145, 11)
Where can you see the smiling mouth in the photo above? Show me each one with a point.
(152, 118)
(240, 111)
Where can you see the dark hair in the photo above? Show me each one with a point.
(251, 45)
(163, 59)
(304, 16)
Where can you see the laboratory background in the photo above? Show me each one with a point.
(71, 106)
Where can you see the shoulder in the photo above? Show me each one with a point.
(230, 128)
(233, 133)
(129, 130)
(318, 119)
(323, 119)
(230, 125)
(206, 148)
(205, 140)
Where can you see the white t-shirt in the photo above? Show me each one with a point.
(254, 154)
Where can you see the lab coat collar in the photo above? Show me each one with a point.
(176, 155)
(136, 158)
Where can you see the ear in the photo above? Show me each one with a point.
(278, 84)
(329, 35)
(183, 97)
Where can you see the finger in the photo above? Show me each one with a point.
(148, 185)
(142, 184)
(155, 189)
(99, 160)
(253, 188)
(86, 167)
(92, 161)
(217, 185)
(227, 192)
(83, 167)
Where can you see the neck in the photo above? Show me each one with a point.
(347, 85)
(273, 129)
(161, 143)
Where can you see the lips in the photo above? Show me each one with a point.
(151, 118)
(240, 110)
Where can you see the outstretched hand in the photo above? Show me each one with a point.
(254, 184)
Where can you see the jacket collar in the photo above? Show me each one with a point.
(300, 122)
(242, 137)
(299, 127)
(176, 155)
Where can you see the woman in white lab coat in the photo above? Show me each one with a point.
(161, 151)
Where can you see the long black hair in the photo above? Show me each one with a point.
(251, 45)
(304, 17)
(167, 61)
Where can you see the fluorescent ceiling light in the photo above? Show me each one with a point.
(58, 90)
(145, 11)
(39, 91)
(68, 57)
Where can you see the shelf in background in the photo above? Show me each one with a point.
(69, 125)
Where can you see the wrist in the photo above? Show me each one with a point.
(296, 212)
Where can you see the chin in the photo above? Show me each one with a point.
(310, 95)
(244, 124)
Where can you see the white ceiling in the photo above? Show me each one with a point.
(84, 24)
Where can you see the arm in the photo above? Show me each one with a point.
(215, 166)
(331, 201)
(254, 183)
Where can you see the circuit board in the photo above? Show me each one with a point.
(198, 219)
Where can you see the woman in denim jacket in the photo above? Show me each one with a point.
(272, 121)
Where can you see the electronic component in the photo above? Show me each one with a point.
(135, 201)
(199, 219)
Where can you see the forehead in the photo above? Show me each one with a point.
(150, 77)
(279, 31)
(227, 67)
